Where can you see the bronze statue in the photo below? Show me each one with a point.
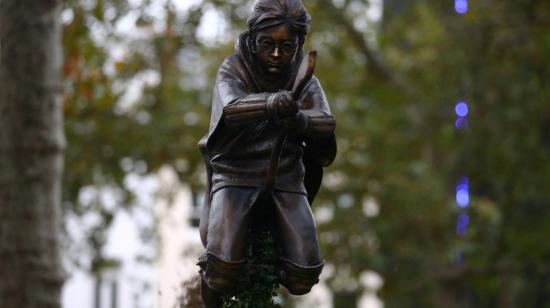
(271, 133)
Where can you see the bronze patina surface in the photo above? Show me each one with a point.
(266, 111)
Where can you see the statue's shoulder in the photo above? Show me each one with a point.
(312, 86)
(232, 67)
(232, 60)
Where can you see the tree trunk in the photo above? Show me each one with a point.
(31, 153)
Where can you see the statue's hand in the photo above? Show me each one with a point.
(285, 104)
(295, 124)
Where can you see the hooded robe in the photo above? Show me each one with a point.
(240, 156)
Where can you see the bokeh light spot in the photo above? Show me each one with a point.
(461, 6)
(462, 198)
(461, 109)
(462, 224)
(461, 123)
(462, 192)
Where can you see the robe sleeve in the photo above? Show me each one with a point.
(249, 109)
(319, 139)
(231, 85)
(321, 124)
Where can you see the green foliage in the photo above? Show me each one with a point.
(259, 283)
(110, 137)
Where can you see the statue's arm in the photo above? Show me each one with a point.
(239, 107)
(318, 124)
(317, 120)
(254, 107)
(247, 109)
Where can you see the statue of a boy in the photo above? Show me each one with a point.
(252, 105)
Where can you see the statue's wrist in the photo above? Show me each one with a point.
(272, 108)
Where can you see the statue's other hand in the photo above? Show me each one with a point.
(295, 124)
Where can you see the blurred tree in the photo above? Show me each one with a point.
(110, 134)
(398, 146)
(190, 297)
(393, 84)
(31, 153)
(404, 152)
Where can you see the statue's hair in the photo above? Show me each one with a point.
(271, 13)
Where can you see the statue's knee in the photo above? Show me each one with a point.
(298, 279)
(219, 275)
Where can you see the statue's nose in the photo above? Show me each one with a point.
(276, 52)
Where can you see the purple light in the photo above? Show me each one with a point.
(463, 220)
(462, 193)
(461, 123)
(461, 109)
(463, 182)
(462, 198)
(462, 224)
(461, 6)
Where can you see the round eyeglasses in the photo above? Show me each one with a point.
(286, 48)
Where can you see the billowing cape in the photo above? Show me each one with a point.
(237, 77)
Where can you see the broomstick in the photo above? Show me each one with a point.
(305, 72)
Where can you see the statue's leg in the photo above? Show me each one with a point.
(300, 262)
(223, 263)
(210, 298)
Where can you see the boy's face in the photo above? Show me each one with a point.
(275, 49)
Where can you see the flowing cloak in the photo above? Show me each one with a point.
(303, 158)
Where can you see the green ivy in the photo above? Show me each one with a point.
(258, 286)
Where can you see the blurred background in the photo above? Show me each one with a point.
(440, 191)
